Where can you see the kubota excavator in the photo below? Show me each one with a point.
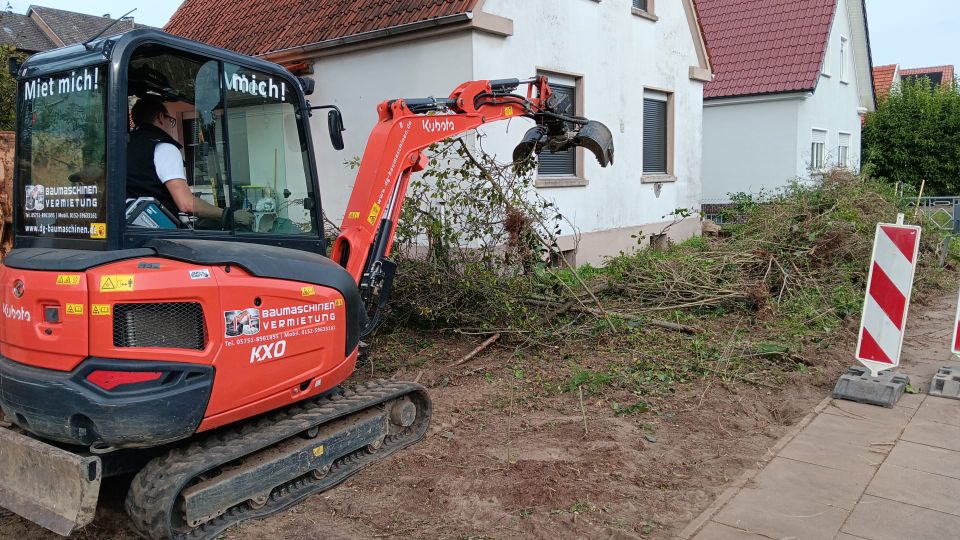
(206, 356)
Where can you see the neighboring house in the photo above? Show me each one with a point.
(885, 79)
(942, 75)
(636, 65)
(792, 80)
(44, 28)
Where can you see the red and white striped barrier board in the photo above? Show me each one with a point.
(895, 250)
(956, 331)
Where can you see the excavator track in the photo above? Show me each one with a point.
(160, 494)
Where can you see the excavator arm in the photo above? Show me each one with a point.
(395, 150)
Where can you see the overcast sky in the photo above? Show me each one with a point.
(918, 33)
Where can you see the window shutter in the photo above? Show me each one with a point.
(560, 163)
(845, 139)
(819, 136)
(654, 136)
(640, 4)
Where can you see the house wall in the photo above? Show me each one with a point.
(835, 104)
(358, 81)
(617, 54)
(748, 146)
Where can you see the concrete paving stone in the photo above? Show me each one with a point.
(940, 410)
(917, 488)
(912, 401)
(921, 457)
(882, 519)
(716, 531)
(812, 447)
(862, 411)
(842, 425)
(795, 499)
(932, 434)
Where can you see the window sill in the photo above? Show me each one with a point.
(657, 178)
(560, 182)
(844, 82)
(644, 15)
(827, 75)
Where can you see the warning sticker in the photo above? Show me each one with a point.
(338, 302)
(74, 309)
(98, 230)
(121, 283)
(508, 111)
(374, 213)
(68, 279)
(307, 291)
(100, 310)
(354, 215)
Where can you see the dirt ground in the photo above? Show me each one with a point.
(502, 461)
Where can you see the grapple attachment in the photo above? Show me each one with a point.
(555, 137)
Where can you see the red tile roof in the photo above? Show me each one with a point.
(765, 46)
(883, 80)
(262, 26)
(946, 74)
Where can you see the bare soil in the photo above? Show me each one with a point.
(508, 458)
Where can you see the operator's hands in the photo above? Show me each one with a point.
(243, 217)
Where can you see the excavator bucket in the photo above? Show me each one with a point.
(54, 488)
(593, 136)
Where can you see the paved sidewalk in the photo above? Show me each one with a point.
(858, 472)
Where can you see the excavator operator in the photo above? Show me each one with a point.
(155, 167)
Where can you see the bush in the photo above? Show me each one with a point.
(914, 136)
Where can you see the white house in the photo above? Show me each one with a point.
(637, 65)
(792, 82)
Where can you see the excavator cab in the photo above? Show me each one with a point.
(241, 125)
(202, 345)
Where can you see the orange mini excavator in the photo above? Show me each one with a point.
(205, 355)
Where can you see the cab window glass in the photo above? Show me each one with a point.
(189, 89)
(268, 158)
(62, 155)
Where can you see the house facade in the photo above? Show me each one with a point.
(636, 65)
(792, 83)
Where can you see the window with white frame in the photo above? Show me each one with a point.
(843, 153)
(844, 45)
(826, 59)
(818, 150)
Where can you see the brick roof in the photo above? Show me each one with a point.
(943, 73)
(72, 27)
(765, 46)
(263, 26)
(883, 80)
(21, 32)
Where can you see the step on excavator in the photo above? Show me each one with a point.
(205, 357)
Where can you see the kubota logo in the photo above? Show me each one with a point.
(17, 314)
(434, 125)
(270, 351)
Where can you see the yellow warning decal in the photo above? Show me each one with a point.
(508, 111)
(100, 310)
(354, 215)
(338, 302)
(74, 309)
(374, 213)
(307, 291)
(318, 451)
(68, 279)
(121, 283)
(98, 230)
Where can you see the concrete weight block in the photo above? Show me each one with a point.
(858, 385)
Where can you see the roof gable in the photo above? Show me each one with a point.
(21, 32)
(883, 79)
(72, 27)
(262, 26)
(765, 46)
(943, 75)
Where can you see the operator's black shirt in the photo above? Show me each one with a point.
(142, 178)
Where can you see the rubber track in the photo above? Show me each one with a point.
(154, 493)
